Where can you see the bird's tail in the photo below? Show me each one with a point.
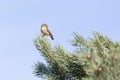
(51, 36)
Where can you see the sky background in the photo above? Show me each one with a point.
(20, 22)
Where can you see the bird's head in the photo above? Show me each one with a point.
(44, 25)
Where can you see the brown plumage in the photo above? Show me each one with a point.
(46, 31)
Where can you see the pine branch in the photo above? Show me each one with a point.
(46, 49)
(40, 69)
(115, 67)
(79, 41)
(91, 59)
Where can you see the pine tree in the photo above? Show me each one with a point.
(95, 58)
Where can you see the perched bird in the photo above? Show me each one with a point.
(45, 31)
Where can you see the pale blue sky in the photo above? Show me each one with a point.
(20, 22)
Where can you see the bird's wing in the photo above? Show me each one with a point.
(50, 33)
(48, 30)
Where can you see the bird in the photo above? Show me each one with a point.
(45, 31)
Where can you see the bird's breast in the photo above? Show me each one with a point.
(45, 31)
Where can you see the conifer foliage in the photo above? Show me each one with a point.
(95, 58)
